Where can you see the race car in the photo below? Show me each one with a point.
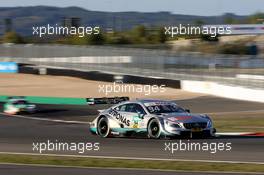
(15, 105)
(106, 100)
(152, 118)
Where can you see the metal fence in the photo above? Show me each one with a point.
(142, 62)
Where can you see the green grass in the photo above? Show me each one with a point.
(118, 163)
(242, 122)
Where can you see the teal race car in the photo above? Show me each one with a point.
(18, 105)
(152, 118)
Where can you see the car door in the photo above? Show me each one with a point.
(132, 115)
(135, 113)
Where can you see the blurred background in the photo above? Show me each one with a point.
(132, 38)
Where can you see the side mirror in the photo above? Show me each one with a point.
(188, 110)
(140, 115)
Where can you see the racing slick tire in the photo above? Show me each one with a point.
(154, 130)
(103, 128)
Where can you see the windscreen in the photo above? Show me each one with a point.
(156, 108)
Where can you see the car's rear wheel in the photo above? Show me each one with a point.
(154, 131)
(103, 128)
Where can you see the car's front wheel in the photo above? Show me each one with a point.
(103, 128)
(154, 131)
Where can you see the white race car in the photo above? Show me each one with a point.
(153, 118)
(16, 105)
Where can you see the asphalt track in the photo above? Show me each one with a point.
(44, 170)
(18, 134)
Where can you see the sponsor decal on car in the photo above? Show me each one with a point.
(119, 117)
(136, 120)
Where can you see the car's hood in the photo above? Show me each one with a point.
(184, 117)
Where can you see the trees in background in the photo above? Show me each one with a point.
(138, 35)
(257, 18)
(12, 37)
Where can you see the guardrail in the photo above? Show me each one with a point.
(140, 62)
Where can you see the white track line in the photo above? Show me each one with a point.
(45, 119)
(128, 169)
(134, 158)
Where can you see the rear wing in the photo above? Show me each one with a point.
(106, 100)
(15, 98)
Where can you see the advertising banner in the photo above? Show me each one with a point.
(8, 67)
